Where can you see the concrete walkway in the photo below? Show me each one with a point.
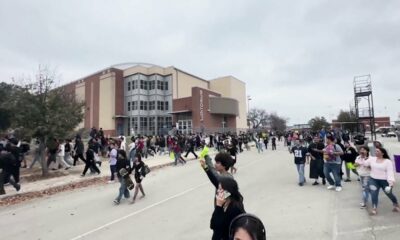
(74, 175)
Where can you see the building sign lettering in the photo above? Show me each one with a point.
(201, 106)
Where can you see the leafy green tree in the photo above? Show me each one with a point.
(46, 111)
(347, 120)
(7, 103)
(278, 124)
(318, 123)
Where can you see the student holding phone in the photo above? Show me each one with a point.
(229, 205)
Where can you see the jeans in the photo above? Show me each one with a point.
(123, 190)
(300, 170)
(335, 170)
(35, 159)
(177, 158)
(374, 186)
(364, 180)
(113, 169)
(132, 155)
(161, 150)
(68, 158)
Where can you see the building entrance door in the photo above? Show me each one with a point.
(185, 126)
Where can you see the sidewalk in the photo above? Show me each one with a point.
(73, 179)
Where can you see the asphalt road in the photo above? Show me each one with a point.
(179, 204)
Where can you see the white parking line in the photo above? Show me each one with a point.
(139, 211)
(151, 206)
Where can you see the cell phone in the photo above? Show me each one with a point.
(226, 194)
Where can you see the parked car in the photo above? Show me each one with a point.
(391, 134)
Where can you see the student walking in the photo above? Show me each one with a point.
(79, 149)
(228, 205)
(382, 177)
(364, 173)
(140, 173)
(90, 162)
(332, 164)
(317, 161)
(61, 155)
(122, 163)
(113, 161)
(349, 157)
(300, 152)
(273, 142)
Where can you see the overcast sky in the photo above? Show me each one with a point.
(298, 58)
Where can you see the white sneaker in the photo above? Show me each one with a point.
(338, 189)
(330, 187)
(111, 181)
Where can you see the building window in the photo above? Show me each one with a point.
(159, 85)
(143, 105)
(129, 106)
(160, 123)
(129, 86)
(135, 124)
(144, 85)
(135, 105)
(152, 105)
(152, 125)
(160, 105)
(129, 128)
(152, 85)
(166, 107)
(134, 84)
(166, 86)
(143, 124)
(168, 122)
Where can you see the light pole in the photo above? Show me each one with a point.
(248, 110)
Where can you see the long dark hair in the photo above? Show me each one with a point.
(139, 157)
(251, 224)
(366, 149)
(385, 154)
(229, 184)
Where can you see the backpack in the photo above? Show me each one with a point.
(331, 157)
(145, 170)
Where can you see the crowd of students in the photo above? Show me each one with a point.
(326, 156)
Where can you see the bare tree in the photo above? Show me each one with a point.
(46, 111)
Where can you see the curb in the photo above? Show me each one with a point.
(17, 198)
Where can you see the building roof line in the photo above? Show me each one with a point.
(228, 76)
(180, 70)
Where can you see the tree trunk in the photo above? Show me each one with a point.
(42, 152)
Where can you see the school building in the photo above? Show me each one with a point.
(137, 98)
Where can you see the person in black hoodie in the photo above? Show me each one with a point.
(122, 162)
(138, 167)
(9, 166)
(229, 204)
(78, 148)
(349, 156)
(90, 162)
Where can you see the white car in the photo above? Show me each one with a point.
(391, 134)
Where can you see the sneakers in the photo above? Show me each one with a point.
(111, 181)
(338, 189)
(396, 209)
(363, 205)
(373, 212)
(18, 187)
(116, 201)
(315, 183)
(330, 187)
(347, 180)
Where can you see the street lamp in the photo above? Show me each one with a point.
(248, 103)
(248, 110)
